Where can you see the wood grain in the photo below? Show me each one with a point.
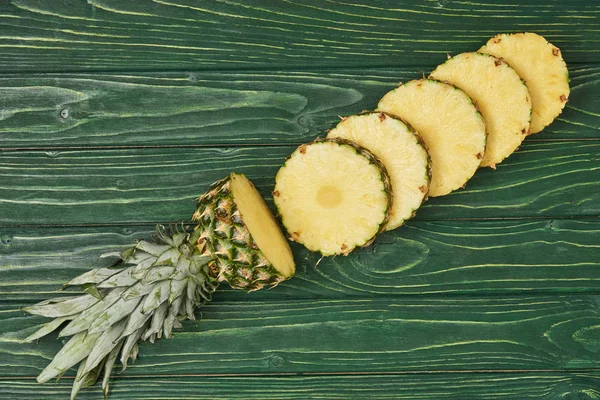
(222, 108)
(508, 386)
(338, 335)
(422, 258)
(115, 115)
(74, 35)
(150, 185)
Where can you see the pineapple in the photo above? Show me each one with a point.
(333, 196)
(402, 152)
(542, 67)
(450, 125)
(501, 96)
(156, 285)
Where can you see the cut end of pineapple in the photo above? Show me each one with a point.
(399, 148)
(333, 196)
(449, 123)
(262, 225)
(501, 96)
(541, 65)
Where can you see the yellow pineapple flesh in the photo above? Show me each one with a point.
(333, 196)
(501, 96)
(402, 152)
(450, 125)
(541, 65)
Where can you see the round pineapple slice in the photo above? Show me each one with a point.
(450, 125)
(333, 196)
(402, 152)
(501, 96)
(542, 67)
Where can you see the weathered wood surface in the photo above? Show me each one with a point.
(74, 35)
(424, 257)
(299, 336)
(543, 179)
(223, 108)
(115, 115)
(457, 386)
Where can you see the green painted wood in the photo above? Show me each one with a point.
(353, 335)
(38, 35)
(422, 258)
(222, 108)
(150, 185)
(508, 386)
(460, 303)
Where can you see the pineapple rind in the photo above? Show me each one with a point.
(449, 123)
(541, 65)
(222, 233)
(353, 222)
(500, 95)
(402, 152)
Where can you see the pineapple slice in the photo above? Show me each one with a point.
(262, 225)
(333, 196)
(450, 125)
(402, 152)
(501, 96)
(542, 67)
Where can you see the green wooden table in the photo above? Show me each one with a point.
(115, 114)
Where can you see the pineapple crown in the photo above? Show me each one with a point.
(149, 291)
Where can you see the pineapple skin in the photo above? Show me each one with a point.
(221, 233)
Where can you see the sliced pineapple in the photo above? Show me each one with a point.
(450, 125)
(501, 96)
(402, 152)
(333, 196)
(262, 225)
(542, 67)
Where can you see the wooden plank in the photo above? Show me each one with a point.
(509, 386)
(38, 35)
(146, 185)
(223, 108)
(352, 335)
(422, 258)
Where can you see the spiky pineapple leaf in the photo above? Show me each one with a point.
(108, 366)
(119, 310)
(158, 294)
(87, 317)
(83, 380)
(93, 276)
(104, 345)
(75, 350)
(45, 329)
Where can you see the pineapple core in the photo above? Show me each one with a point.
(262, 225)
